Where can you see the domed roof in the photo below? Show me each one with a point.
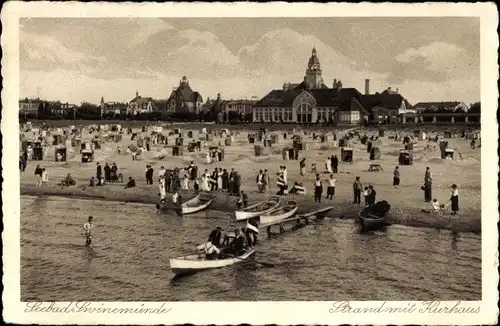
(313, 60)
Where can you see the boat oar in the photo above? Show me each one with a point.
(257, 262)
(263, 263)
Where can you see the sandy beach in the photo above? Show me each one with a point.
(406, 201)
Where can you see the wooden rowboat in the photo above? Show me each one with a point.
(258, 209)
(280, 213)
(318, 213)
(195, 263)
(302, 219)
(196, 204)
(369, 219)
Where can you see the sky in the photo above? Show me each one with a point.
(83, 59)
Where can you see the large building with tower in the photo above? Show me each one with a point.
(313, 101)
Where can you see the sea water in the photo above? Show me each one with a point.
(329, 260)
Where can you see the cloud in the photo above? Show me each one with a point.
(45, 52)
(188, 52)
(285, 51)
(147, 27)
(160, 54)
(436, 61)
(424, 91)
(434, 53)
(284, 54)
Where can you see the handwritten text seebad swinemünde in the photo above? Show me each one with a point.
(93, 307)
(425, 307)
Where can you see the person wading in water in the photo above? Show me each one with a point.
(88, 231)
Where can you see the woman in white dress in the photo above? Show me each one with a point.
(219, 179)
(204, 181)
(185, 183)
(163, 191)
(45, 176)
(328, 165)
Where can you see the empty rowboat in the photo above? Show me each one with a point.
(195, 263)
(196, 204)
(258, 209)
(280, 213)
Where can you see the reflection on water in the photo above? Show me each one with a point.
(329, 260)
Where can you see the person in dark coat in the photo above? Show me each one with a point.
(98, 172)
(215, 236)
(335, 163)
(395, 181)
(149, 175)
(225, 180)
(168, 180)
(107, 172)
(231, 183)
(193, 171)
(372, 195)
(237, 183)
(214, 177)
(238, 244)
(428, 185)
(454, 199)
(113, 174)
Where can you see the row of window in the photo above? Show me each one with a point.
(274, 114)
(349, 116)
(304, 113)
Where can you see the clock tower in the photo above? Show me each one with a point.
(313, 78)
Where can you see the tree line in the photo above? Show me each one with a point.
(89, 111)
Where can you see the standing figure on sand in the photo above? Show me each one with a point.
(357, 186)
(427, 188)
(205, 186)
(454, 199)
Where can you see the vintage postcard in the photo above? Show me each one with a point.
(250, 163)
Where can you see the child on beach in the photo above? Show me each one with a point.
(185, 183)
(45, 176)
(38, 174)
(437, 208)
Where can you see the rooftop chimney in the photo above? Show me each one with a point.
(367, 87)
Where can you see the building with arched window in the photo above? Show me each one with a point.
(312, 101)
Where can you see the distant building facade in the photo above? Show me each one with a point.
(385, 106)
(441, 107)
(29, 106)
(184, 99)
(113, 107)
(61, 109)
(140, 104)
(242, 107)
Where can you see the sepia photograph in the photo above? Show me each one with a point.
(250, 158)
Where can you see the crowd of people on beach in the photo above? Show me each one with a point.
(230, 182)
